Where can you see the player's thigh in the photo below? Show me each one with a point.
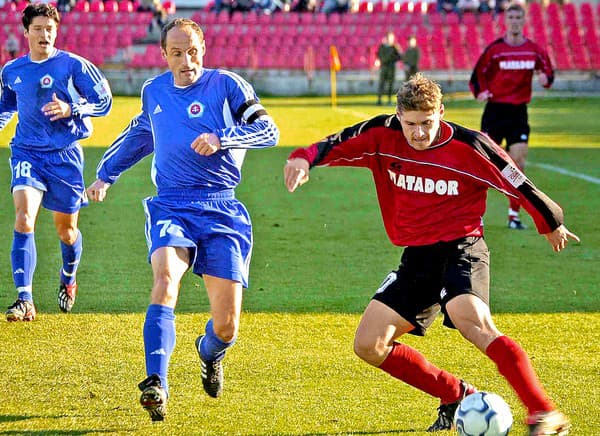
(27, 201)
(379, 326)
(472, 317)
(225, 241)
(467, 273)
(166, 226)
(413, 291)
(64, 181)
(517, 129)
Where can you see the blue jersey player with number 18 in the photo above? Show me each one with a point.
(199, 123)
(54, 93)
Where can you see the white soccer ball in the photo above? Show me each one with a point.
(483, 414)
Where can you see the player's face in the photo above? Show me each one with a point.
(184, 52)
(41, 36)
(420, 128)
(515, 21)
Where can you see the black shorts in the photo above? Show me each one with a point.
(508, 122)
(429, 276)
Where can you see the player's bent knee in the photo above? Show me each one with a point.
(226, 332)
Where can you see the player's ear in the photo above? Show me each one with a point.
(441, 111)
(163, 53)
(203, 47)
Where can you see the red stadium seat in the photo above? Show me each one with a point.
(111, 6)
(96, 6)
(125, 6)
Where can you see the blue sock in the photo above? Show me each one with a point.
(23, 256)
(70, 257)
(159, 341)
(211, 347)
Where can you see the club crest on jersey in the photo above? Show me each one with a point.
(47, 81)
(195, 110)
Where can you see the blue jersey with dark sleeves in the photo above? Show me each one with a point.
(27, 86)
(172, 117)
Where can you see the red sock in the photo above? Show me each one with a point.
(410, 366)
(515, 366)
(514, 204)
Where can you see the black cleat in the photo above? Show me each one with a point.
(445, 419)
(516, 224)
(66, 296)
(212, 373)
(21, 310)
(153, 398)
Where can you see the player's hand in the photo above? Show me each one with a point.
(57, 109)
(295, 173)
(559, 238)
(484, 95)
(97, 190)
(206, 144)
(543, 79)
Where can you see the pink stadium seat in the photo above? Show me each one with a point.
(125, 6)
(96, 6)
(82, 6)
(111, 6)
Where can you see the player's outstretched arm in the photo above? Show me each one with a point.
(97, 190)
(295, 173)
(559, 238)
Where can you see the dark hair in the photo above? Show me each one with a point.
(515, 7)
(39, 10)
(179, 22)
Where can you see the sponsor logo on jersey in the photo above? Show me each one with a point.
(424, 184)
(17, 80)
(157, 110)
(517, 65)
(513, 175)
(47, 81)
(195, 110)
(443, 293)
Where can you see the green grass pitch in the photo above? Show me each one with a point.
(319, 254)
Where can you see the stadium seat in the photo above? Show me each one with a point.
(96, 6)
(125, 6)
(111, 6)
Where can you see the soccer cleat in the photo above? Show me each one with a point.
(516, 224)
(66, 296)
(21, 310)
(548, 423)
(211, 372)
(153, 398)
(445, 419)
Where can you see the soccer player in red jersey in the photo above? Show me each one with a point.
(432, 178)
(502, 78)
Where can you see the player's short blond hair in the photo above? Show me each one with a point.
(419, 93)
(179, 22)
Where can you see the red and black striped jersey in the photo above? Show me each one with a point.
(437, 194)
(507, 71)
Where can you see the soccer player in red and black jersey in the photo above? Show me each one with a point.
(502, 78)
(432, 178)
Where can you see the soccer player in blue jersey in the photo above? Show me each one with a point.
(54, 93)
(199, 122)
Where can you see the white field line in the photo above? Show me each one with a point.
(563, 171)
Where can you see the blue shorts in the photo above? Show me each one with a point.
(59, 174)
(215, 226)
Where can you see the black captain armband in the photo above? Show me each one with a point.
(250, 111)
